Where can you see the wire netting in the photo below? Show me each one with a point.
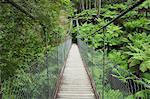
(112, 82)
(39, 81)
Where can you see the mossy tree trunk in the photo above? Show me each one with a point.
(99, 7)
(82, 2)
(95, 4)
(87, 4)
(90, 4)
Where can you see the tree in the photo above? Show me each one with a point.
(99, 7)
(82, 2)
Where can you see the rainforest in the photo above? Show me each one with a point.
(113, 37)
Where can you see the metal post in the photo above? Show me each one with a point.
(57, 50)
(78, 32)
(92, 54)
(104, 60)
(64, 49)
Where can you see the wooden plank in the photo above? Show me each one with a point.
(75, 82)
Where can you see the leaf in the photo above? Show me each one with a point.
(146, 80)
(124, 40)
(133, 62)
(137, 56)
(146, 75)
(145, 66)
(142, 93)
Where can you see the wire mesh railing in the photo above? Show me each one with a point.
(39, 81)
(111, 81)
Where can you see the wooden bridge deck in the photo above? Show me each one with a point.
(75, 83)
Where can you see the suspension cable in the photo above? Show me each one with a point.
(14, 4)
(119, 16)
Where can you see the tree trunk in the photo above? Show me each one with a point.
(82, 4)
(90, 4)
(86, 4)
(99, 7)
(95, 4)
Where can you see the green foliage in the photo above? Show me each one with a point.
(113, 34)
(113, 94)
(142, 94)
(139, 54)
(110, 14)
(25, 40)
(68, 6)
(86, 29)
(141, 58)
(145, 5)
(131, 14)
(142, 22)
(119, 6)
(146, 77)
(118, 58)
(86, 14)
(66, 2)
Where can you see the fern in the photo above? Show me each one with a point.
(134, 24)
(145, 5)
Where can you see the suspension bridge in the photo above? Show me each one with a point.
(67, 73)
(75, 83)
